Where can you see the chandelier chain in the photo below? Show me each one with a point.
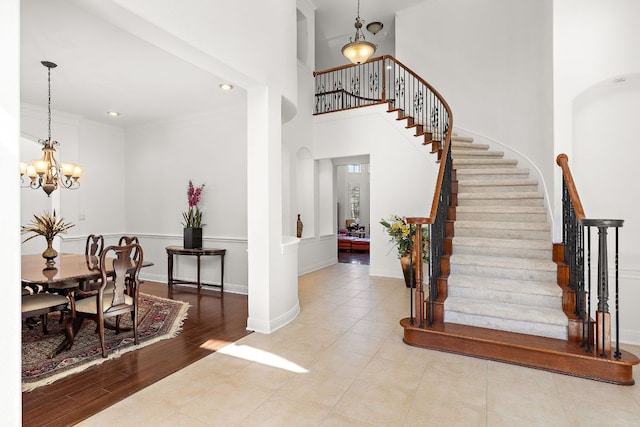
(49, 100)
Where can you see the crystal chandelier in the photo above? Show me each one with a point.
(46, 173)
(358, 50)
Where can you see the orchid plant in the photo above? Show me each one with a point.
(193, 217)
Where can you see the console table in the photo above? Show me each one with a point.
(179, 250)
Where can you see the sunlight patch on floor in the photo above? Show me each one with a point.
(257, 355)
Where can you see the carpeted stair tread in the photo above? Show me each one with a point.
(460, 153)
(529, 287)
(504, 198)
(456, 137)
(525, 292)
(509, 311)
(491, 173)
(520, 318)
(483, 163)
(455, 144)
(503, 209)
(497, 182)
(495, 213)
(487, 242)
(503, 262)
(499, 247)
(503, 225)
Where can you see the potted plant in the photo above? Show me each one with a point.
(47, 226)
(192, 235)
(402, 236)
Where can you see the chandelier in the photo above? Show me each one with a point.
(46, 173)
(358, 50)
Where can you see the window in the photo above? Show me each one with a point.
(354, 200)
(353, 168)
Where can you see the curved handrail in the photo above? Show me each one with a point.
(447, 140)
(563, 161)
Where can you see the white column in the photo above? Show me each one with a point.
(273, 286)
(11, 401)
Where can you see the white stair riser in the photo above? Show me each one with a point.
(496, 216)
(501, 252)
(505, 273)
(521, 298)
(502, 234)
(507, 188)
(531, 328)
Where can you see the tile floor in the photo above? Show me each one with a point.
(342, 363)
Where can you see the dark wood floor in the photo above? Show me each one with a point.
(353, 257)
(77, 397)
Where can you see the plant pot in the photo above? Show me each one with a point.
(192, 238)
(406, 269)
(50, 254)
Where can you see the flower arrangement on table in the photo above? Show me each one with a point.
(47, 226)
(402, 235)
(193, 217)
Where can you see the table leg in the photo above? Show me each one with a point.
(221, 273)
(198, 256)
(170, 270)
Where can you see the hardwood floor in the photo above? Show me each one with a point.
(353, 257)
(77, 397)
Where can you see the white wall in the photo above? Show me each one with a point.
(491, 61)
(593, 42)
(211, 149)
(606, 125)
(11, 401)
(402, 172)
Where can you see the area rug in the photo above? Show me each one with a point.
(158, 319)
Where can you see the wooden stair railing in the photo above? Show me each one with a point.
(570, 256)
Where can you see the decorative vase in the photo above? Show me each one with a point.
(405, 262)
(299, 226)
(192, 238)
(50, 254)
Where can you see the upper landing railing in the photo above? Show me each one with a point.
(386, 80)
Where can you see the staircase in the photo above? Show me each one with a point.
(496, 287)
(501, 271)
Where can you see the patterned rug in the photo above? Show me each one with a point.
(158, 319)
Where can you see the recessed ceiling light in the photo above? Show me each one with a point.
(226, 86)
(113, 113)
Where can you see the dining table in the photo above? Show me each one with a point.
(69, 274)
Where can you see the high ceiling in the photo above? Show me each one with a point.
(103, 68)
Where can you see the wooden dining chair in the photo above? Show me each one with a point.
(94, 245)
(40, 305)
(92, 250)
(111, 299)
(127, 240)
